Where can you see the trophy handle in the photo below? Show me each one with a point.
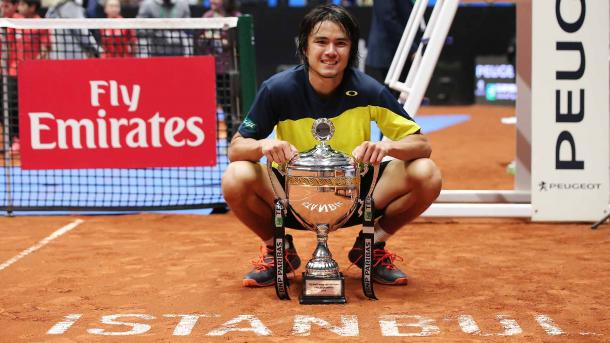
(281, 167)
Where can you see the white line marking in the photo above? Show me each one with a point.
(187, 322)
(63, 326)
(390, 326)
(42, 243)
(548, 325)
(136, 328)
(468, 325)
(511, 328)
(256, 326)
(302, 325)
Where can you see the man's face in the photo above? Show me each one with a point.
(328, 50)
(26, 10)
(215, 4)
(8, 9)
(112, 8)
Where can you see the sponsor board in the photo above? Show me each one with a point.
(117, 113)
(570, 121)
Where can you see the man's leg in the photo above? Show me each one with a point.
(405, 190)
(247, 189)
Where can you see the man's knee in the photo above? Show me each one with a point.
(239, 177)
(425, 175)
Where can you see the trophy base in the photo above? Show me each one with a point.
(318, 290)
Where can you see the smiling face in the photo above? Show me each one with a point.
(328, 51)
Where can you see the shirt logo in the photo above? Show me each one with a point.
(351, 93)
(249, 124)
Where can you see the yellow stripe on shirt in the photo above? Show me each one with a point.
(352, 127)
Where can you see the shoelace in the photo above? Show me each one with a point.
(266, 260)
(385, 257)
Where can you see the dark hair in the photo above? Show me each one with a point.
(337, 15)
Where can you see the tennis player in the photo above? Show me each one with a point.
(327, 85)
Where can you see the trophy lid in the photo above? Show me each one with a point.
(322, 155)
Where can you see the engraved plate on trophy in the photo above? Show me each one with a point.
(316, 287)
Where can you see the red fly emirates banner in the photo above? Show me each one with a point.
(117, 113)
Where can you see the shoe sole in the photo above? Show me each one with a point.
(397, 282)
(254, 283)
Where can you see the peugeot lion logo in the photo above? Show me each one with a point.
(542, 186)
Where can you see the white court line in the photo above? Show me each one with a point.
(42, 243)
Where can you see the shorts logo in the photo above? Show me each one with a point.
(351, 93)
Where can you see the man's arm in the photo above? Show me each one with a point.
(249, 149)
(409, 148)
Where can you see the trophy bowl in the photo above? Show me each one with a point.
(322, 187)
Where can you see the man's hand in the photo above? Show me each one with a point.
(371, 152)
(278, 151)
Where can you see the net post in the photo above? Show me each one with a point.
(247, 62)
(6, 124)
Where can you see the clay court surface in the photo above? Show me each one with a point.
(170, 277)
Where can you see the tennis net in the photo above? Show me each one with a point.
(82, 187)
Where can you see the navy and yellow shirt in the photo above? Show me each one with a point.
(287, 100)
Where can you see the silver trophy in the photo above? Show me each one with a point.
(322, 190)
